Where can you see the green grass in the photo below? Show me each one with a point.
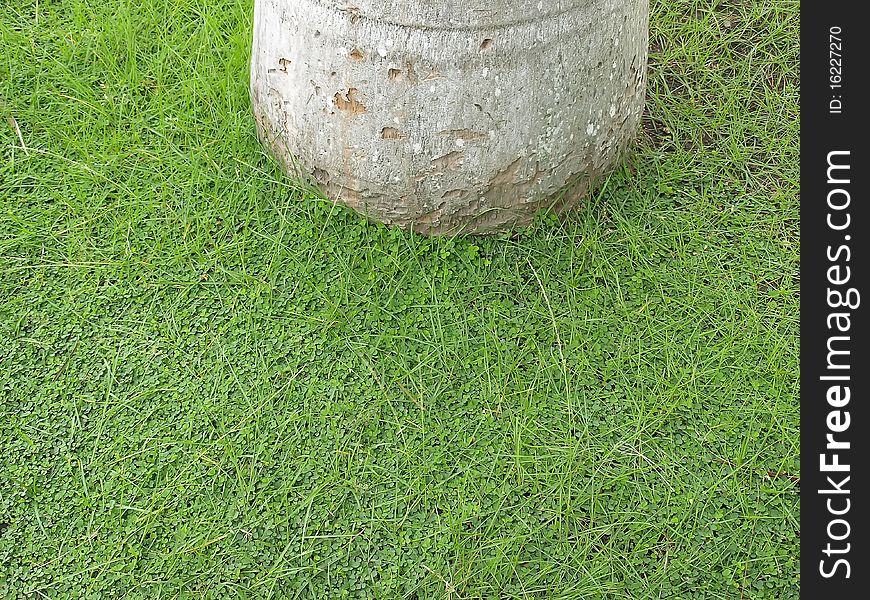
(214, 384)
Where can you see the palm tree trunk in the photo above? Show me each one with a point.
(446, 116)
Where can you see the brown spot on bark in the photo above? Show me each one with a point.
(391, 133)
(284, 63)
(349, 102)
(356, 54)
(466, 135)
(353, 11)
(486, 44)
(394, 74)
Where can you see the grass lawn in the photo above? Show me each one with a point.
(216, 384)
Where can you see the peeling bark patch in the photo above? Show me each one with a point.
(321, 175)
(356, 54)
(394, 74)
(450, 160)
(466, 135)
(508, 182)
(432, 217)
(349, 102)
(391, 133)
(507, 176)
(454, 195)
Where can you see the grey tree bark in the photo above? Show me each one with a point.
(450, 116)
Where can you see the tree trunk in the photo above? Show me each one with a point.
(450, 116)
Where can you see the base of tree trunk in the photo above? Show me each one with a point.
(450, 123)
